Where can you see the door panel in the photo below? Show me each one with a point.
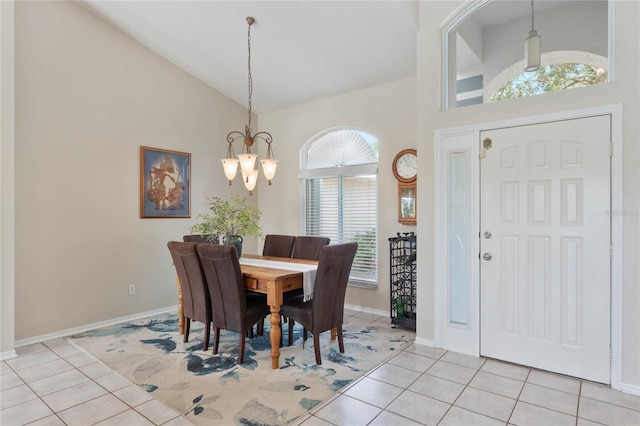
(545, 269)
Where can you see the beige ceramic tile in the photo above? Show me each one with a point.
(374, 392)
(435, 353)
(394, 375)
(314, 421)
(112, 382)
(602, 412)
(51, 420)
(80, 359)
(74, 395)
(179, 421)
(486, 403)
(24, 413)
(437, 388)
(453, 372)
(554, 381)
(457, 416)
(412, 361)
(46, 369)
(95, 370)
(468, 361)
(348, 411)
(497, 384)
(606, 394)
(419, 408)
(506, 369)
(532, 415)
(4, 368)
(156, 411)
(16, 396)
(58, 382)
(32, 359)
(387, 418)
(550, 398)
(67, 350)
(30, 349)
(10, 380)
(128, 418)
(93, 411)
(133, 395)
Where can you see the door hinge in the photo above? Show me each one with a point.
(610, 251)
(482, 153)
(610, 149)
(610, 353)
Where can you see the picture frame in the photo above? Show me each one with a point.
(407, 214)
(165, 183)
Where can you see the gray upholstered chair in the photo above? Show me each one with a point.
(232, 307)
(196, 303)
(307, 247)
(278, 245)
(326, 310)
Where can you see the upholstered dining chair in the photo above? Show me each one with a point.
(278, 245)
(326, 310)
(307, 247)
(232, 308)
(196, 303)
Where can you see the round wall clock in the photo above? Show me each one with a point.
(405, 166)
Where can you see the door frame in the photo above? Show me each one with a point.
(466, 339)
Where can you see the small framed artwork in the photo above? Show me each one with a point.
(165, 183)
(407, 204)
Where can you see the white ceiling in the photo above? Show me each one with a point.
(300, 50)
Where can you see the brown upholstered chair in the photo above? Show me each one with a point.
(199, 238)
(326, 310)
(309, 247)
(278, 245)
(196, 303)
(232, 308)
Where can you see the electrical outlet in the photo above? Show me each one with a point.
(132, 289)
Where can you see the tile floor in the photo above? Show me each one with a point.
(56, 383)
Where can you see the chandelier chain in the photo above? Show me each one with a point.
(250, 83)
(532, 15)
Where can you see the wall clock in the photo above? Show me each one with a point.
(405, 169)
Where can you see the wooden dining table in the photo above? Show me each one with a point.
(273, 282)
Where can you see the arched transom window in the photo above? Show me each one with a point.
(339, 179)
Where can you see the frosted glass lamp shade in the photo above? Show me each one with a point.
(230, 166)
(269, 168)
(247, 162)
(532, 51)
(250, 179)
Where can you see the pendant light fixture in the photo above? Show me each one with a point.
(532, 48)
(246, 159)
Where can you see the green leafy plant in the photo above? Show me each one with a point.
(229, 216)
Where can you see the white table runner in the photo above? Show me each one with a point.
(308, 271)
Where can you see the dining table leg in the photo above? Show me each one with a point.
(274, 334)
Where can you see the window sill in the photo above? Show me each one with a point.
(368, 285)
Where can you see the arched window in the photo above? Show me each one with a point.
(339, 178)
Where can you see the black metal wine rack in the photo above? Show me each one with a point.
(403, 279)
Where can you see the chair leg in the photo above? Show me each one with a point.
(187, 326)
(260, 328)
(207, 329)
(316, 344)
(290, 331)
(241, 351)
(216, 339)
(304, 334)
(340, 341)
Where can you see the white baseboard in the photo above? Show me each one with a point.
(8, 355)
(87, 327)
(425, 342)
(630, 389)
(367, 310)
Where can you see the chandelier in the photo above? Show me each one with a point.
(532, 48)
(246, 159)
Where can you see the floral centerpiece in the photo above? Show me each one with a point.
(231, 218)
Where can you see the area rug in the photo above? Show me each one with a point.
(214, 390)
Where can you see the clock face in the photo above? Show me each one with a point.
(405, 166)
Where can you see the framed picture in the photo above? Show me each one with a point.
(407, 204)
(165, 183)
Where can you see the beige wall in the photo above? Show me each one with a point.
(625, 90)
(87, 97)
(387, 112)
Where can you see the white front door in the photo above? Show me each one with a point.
(545, 246)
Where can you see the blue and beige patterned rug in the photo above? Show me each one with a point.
(214, 390)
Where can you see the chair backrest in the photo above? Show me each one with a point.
(278, 245)
(330, 285)
(199, 238)
(226, 286)
(309, 247)
(196, 302)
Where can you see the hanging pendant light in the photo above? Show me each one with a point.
(246, 159)
(532, 48)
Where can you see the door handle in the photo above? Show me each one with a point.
(487, 235)
(487, 256)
